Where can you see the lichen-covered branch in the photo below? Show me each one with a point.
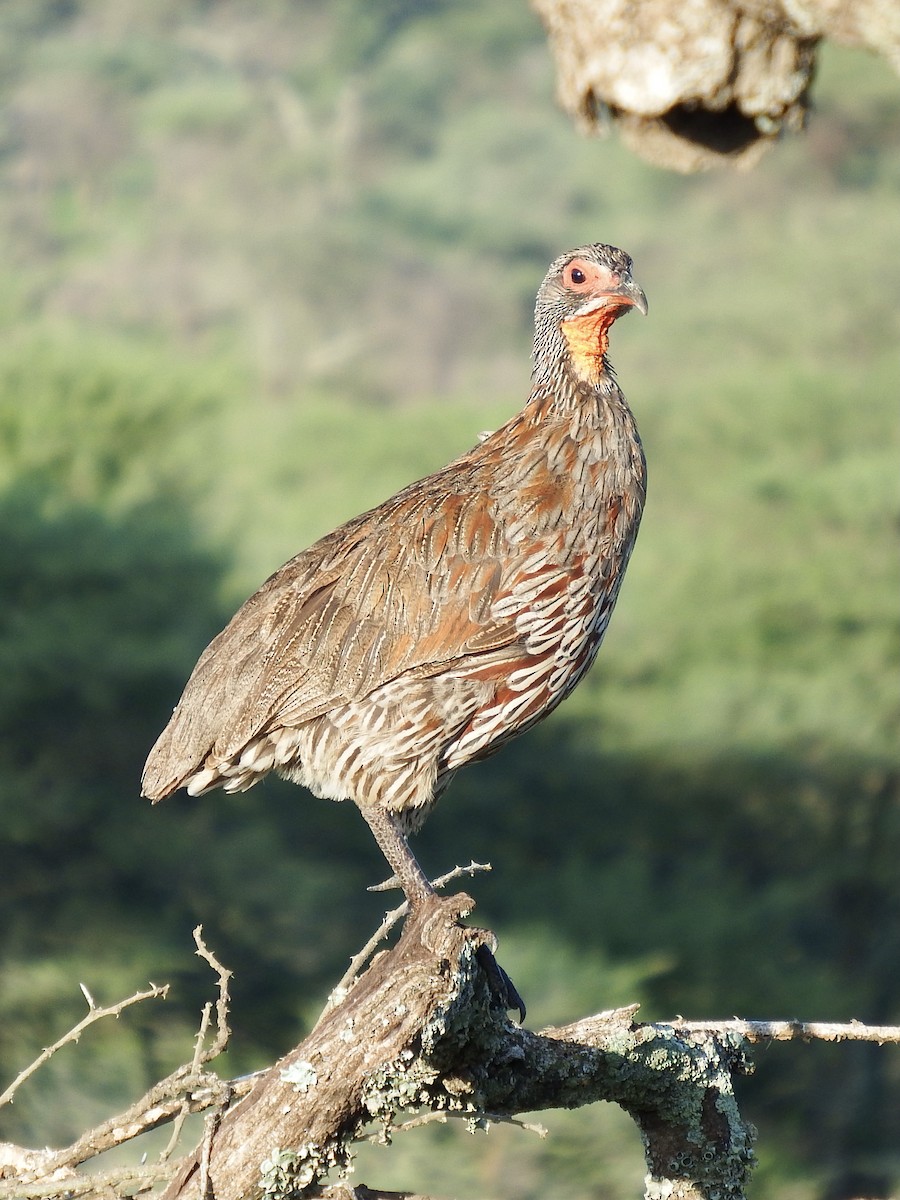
(421, 1032)
(420, 1029)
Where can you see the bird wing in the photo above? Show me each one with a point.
(409, 587)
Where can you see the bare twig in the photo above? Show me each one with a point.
(483, 1120)
(178, 1123)
(474, 1122)
(343, 1191)
(189, 1089)
(389, 885)
(788, 1031)
(473, 868)
(210, 1128)
(223, 1033)
(94, 1014)
(125, 1181)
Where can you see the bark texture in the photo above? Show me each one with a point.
(421, 1029)
(692, 83)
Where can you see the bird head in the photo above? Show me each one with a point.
(584, 291)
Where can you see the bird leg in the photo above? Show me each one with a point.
(417, 889)
(395, 848)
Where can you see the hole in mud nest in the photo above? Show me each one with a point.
(725, 132)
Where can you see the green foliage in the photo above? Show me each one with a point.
(590, 1152)
(96, 421)
(264, 266)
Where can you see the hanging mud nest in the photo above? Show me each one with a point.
(694, 83)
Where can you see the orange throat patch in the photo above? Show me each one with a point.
(588, 339)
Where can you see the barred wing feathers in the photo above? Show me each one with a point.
(410, 587)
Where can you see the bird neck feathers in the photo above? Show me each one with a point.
(571, 370)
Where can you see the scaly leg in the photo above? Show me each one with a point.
(395, 848)
(417, 889)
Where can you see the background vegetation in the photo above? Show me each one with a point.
(264, 263)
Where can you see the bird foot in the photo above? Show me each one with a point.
(425, 902)
(504, 993)
(435, 908)
(386, 885)
(408, 875)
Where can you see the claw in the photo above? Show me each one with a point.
(503, 990)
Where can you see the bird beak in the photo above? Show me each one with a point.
(633, 295)
(626, 294)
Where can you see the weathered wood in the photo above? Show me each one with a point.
(421, 1030)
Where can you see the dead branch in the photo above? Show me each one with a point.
(121, 1181)
(189, 1089)
(421, 1033)
(419, 1030)
(203, 1055)
(391, 918)
(162, 1104)
(94, 1014)
(223, 1033)
(791, 1031)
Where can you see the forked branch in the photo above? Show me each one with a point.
(420, 1032)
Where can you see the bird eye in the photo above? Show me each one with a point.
(577, 275)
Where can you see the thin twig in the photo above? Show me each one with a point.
(475, 1122)
(201, 1056)
(457, 873)
(189, 1089)
(73, 1186)
(358, 961)
(343, 1191)
(211, 1125)
(95, 1014)
(220, 1042)
(390, 885)
(178, 1123)
(223, 1033)
(787, 1031)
